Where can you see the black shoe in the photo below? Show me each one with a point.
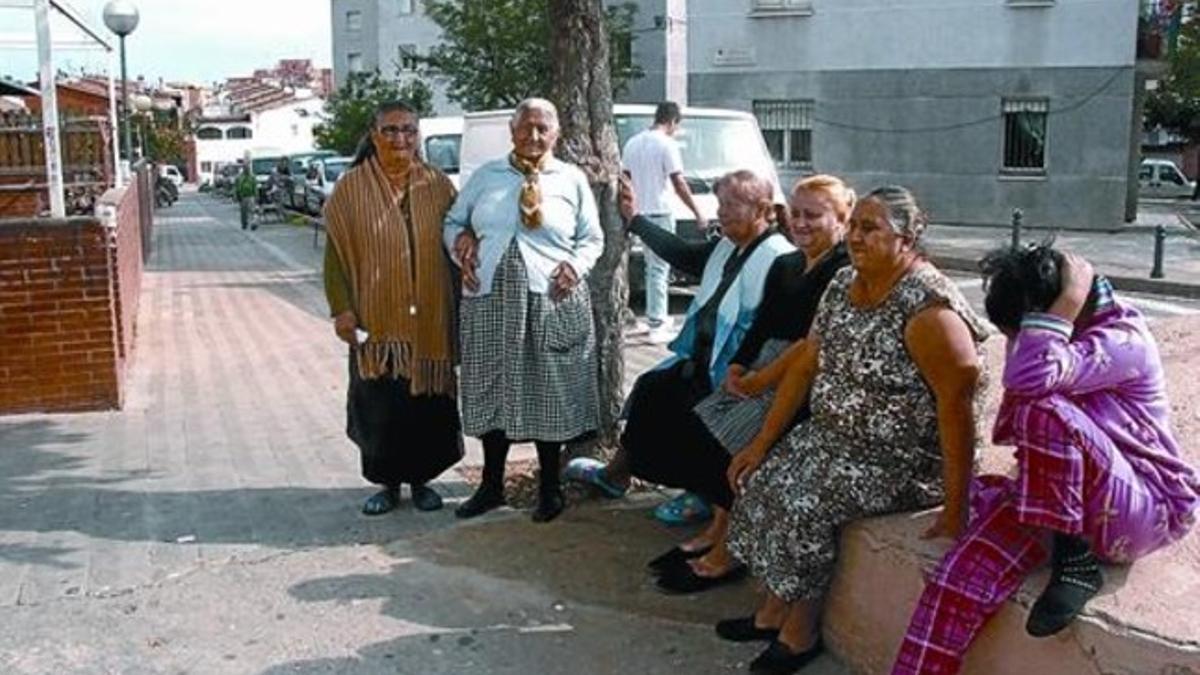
(1075, 578)
(684, 580)
(777, 659)
(485, 499)
(425, 499)
(743, 630)
(549, 507)
(381, 502)
(672, 559)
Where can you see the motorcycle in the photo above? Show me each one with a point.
(165, 192)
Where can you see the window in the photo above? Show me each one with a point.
(404, 7)
(1025, 136)
(622, 46)
(206, 167)
(787, 129)
(409, 58)
(1145, 172)
(239, 133)
(354, 20)
(1168, 174)
(781, 7)
(442, 151)
(354, 62)
(209, 134)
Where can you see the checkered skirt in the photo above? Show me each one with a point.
(732, 420)
(528, 363)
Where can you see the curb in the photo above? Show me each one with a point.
(1177, 289)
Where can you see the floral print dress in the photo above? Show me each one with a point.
(871, 446)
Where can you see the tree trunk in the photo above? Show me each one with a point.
(582, 89)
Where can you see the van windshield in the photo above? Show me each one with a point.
(442, 151)
(711, 146)
(334, 169)
(263, 166)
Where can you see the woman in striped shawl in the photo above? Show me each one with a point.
(391, 295)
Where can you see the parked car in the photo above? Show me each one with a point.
(1162, 178)
(263, 164)
(171, 173)
(713, 142)
(441, 140)
(320, 177)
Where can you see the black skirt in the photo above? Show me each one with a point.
(664, 439)
(402, 438)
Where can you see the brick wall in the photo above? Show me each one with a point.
(126, 268)
(69, 293)
(58, 326)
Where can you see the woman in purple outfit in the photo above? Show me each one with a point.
(1100, 474)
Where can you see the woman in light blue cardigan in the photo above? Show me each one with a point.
(525, 232)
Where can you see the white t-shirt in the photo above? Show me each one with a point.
(651, 157)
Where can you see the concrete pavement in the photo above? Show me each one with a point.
(212, 526)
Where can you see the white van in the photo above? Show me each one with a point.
(440, 141)
(171, 173)
(1162, 178)
(713, 142)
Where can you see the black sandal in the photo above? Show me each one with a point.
(684, 580)
(778, 659)
(674, 557)
(381, 502)
(743, 629)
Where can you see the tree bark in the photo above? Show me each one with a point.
(582, 89)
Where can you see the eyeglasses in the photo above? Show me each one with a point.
(393, 131)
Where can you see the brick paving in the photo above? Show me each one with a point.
(230, 444)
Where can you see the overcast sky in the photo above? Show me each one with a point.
(193, 40)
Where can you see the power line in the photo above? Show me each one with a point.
(971, 123)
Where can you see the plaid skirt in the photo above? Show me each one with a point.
(734, 421)
(528, 363)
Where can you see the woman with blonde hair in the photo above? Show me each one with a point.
(723, 422)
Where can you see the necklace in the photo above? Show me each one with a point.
(861, 297)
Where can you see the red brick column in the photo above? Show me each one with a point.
(58, 325)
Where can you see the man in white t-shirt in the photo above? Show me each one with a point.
(654, 165)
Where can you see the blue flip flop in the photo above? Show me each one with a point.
(591, 471)
(685, 509)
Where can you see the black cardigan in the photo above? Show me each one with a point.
(790, 300)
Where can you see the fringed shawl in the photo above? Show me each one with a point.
(389, 241)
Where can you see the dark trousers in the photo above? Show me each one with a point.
(667, 443)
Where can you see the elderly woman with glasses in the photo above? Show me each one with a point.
(525, 232)
(889, 368)
(391, 294)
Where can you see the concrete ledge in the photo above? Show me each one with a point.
(1145, 622)
(1121, 283)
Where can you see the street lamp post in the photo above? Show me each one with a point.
(121, 17)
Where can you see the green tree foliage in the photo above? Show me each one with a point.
(1175, 104)
(494, 53)
(349, 112)
(166, 139)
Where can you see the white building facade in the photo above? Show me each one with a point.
(979, 106)
(282, 129)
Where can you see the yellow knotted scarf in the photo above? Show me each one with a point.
(531, 189)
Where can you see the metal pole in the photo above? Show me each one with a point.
(1160, 241)
(120, 169)
(125, 102)
(54, 178)
(1017, 217)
